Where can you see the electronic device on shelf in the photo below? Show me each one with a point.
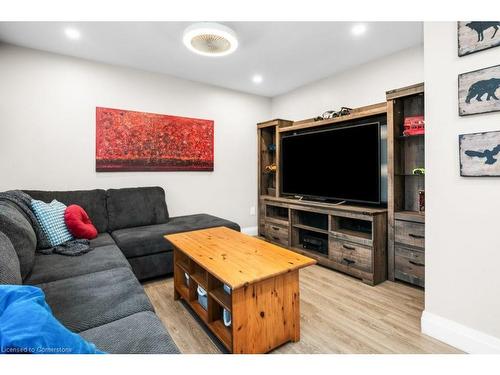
(315, 243)
(341, 163)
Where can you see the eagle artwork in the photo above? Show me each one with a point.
(479, 154)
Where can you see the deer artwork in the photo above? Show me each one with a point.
(480, 27)
(479, 88)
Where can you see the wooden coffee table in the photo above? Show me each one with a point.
(264, 280)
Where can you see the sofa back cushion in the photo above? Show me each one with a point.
(21, 234)
(10, 270)
(135, 207)
(92, 201)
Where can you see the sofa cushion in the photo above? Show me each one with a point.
(21, 235)
(153, 265)
(141, 333)
(102, 239)
(10, 270)
(133, 207)
(92, 201)
(89, 301)
(51, 219)
(149, 239)
(54, 267)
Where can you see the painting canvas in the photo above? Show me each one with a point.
(478, 91)
(475, 36)
(480, 154)
(140, 141)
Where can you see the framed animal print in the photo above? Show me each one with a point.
(480, 154)
(478, 91)
(475, 36)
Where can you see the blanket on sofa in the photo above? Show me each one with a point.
(23, 202)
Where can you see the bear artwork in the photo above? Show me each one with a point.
(480, 88)
(478, 91)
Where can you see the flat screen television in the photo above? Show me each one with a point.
(338, 164)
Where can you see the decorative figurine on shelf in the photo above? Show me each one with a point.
(271, 168)
(414, 125)
(271, 147)
(418, 171)
(333, 114)
(421, 200)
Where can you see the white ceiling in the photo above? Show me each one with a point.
(286, 54)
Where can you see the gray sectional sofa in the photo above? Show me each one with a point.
(98, 294)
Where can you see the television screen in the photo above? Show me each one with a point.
(340, 163)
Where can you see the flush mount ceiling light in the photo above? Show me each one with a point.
(257, 78)
(210, 39)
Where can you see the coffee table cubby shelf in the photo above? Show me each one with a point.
(188, 277)
(347, 238)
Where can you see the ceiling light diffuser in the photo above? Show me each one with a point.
(210, 39)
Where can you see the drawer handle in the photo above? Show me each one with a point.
(275, 228)
(275, 238)
(348, 261)
(348, 247)
(415, 235)
(416, 264)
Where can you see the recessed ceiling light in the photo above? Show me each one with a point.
(72, 33)
(210, 39)
(257, 78)
(358, 29)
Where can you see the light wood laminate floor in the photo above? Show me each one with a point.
(339, 314)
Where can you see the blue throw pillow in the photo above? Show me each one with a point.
(28, 326)
(51, 219)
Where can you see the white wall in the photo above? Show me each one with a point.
(462, 228)
(356, 87)
(47, 130)
(362, 85)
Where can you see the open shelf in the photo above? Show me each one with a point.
(352, 229)
(199, 275)
(222, 332)
(199, 310)
(221, 297)
(311, 241)
(312, 229)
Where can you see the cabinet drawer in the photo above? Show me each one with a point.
(276, 233)
(410, 233)
(410, 265)
(351, 254)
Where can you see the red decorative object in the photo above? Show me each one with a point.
(141, 141)
(78, 222)
(414, 125)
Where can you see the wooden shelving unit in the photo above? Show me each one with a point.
(354, 238)
(406, 260)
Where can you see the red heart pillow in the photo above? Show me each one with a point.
(79, 223)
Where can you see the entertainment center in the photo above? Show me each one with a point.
(348, 237)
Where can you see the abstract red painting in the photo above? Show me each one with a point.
(141, 141)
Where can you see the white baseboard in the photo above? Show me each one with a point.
(251, 231)
(462, 337)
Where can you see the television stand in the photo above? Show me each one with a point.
(347, 238)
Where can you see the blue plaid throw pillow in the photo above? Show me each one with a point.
(51, 219)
